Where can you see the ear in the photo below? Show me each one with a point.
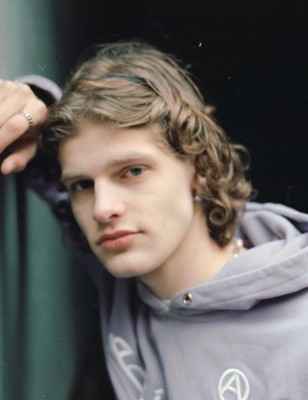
(198, 182)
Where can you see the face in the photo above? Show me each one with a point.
(130, 195)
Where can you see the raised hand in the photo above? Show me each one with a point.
(21, 117)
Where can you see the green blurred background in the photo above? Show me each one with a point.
(48, 306)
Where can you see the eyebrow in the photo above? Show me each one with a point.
(116, 162)
(130, 158)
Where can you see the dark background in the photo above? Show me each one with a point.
(249, 58)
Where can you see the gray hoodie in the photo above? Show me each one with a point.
(241, 336)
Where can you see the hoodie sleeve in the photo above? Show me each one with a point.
(44, 88)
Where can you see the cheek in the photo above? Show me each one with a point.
(176, 215)
(181, 201)
(171, 204)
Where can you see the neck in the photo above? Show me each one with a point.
(197, 259)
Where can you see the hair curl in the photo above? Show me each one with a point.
(132, 84)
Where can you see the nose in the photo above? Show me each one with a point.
(107, 204)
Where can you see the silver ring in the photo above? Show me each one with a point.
(27, 116)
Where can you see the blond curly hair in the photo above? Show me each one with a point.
(132, 84)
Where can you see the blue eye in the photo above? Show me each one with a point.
(81, 186)
(135, 171)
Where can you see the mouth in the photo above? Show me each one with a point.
(116, 240)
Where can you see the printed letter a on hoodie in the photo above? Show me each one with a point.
(233, 384)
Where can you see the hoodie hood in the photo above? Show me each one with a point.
(275, 265)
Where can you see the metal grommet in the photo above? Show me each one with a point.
(187, 299)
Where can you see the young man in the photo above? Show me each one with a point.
(202, 295)
(157, 189)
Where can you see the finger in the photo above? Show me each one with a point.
(6, 88)
(18, 125)
(13, 98)
(18, 160)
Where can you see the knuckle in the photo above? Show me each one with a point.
(5, 84)
(25, 156)
(10, 85)
(25, 90)
(20, 165)
(11, 127)
(41, 107)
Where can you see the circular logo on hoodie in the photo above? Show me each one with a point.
(233, 385)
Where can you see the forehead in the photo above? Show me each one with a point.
(109, 134)
(107, 142)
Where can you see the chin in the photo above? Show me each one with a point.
(126, 271)
(123, 273)
(124, 265)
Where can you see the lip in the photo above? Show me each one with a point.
(116, 240)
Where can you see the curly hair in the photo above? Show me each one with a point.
(131, 84)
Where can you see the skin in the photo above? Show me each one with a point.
(124, 181)
(17, 142)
